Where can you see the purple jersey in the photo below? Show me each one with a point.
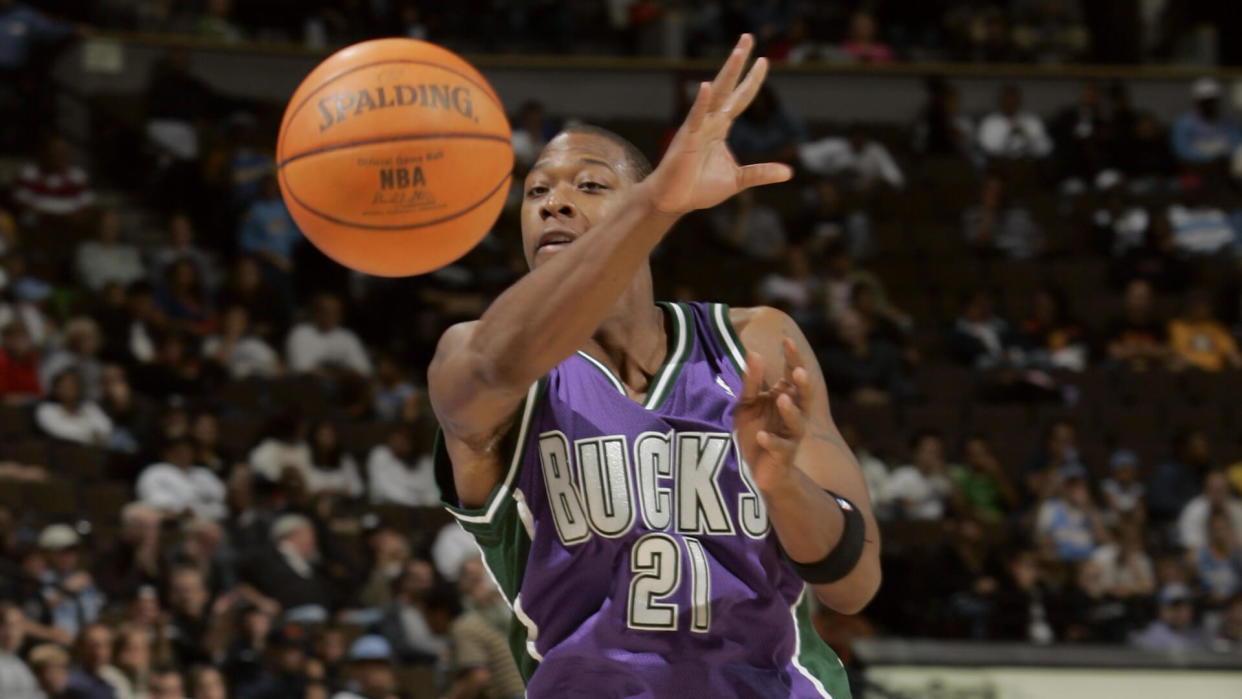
(632, 544)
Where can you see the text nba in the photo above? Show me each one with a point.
(676, 478)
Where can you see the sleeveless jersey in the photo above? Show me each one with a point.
(632, 544)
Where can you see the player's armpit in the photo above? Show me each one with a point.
(822, 456)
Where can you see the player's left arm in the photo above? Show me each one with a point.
(794, 451)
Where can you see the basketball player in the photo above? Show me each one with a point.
(652, 485)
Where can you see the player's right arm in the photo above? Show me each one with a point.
(483, 369)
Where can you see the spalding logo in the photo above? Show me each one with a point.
(334, 109)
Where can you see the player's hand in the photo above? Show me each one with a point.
(769, 422)
(698, 170)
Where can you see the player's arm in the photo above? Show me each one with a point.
(795, 453)
(482, 369)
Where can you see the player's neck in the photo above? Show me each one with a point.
(633, 339)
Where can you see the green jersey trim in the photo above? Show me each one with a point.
(666, 376)
(812, 657)
(728, 337)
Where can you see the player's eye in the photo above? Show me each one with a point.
(537, 191)
(593, 186)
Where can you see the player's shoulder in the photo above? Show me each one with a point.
(457, 334)
(760, 320)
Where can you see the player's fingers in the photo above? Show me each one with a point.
(727, 78)
(793, 360)
(776, 445)
(698, 110)
(753, 380)
(739, 99)
(763, 173)
(802, 381)
(791, 414)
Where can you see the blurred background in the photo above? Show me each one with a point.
(1013, 238)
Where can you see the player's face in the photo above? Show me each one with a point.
(576, 183)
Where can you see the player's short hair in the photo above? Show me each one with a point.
(638, 163)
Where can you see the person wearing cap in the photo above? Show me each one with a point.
(1174, 627)
(371, 670)
(288, 571)
(284, 673)
(69, 590)
(176, 486)
(1123, 492)
(1204, 135)
(1069, 520)
(50, 664)
(1192, 524)
(16, 680)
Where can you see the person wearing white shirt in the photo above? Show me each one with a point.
(108, 259)
(1126, 568)
(453, 547)
(175, 485)
(237, 350)
(67, 416)
(1012, 133)
(868, 160)
(285, 447)
(333, 470)
(323, 345)
(1192, 525)
(921, 489)
(398, 477)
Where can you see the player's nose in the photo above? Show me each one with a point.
(558, 205)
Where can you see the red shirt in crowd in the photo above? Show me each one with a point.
(19, 376)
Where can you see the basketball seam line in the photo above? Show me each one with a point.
(391, 139)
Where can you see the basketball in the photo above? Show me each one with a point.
(394, 157)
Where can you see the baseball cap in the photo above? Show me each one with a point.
(1205, 88)
(1123, 458)
(58, 537)
(1173, 593)
(1073, 469)
(370, 647)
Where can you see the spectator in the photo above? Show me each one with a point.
(1218, 564)
(1126, 568)
(1200, 227)
(19, 366)
(183, 298)
(206, 682)
(371, 669)
(867, 371)
(752, 228)
(1120, 223)
(1193, 531)
(405, 623)
(1179, 479)
(269, 314)
(862, 45)
(1023, 606)
(80, 352)
(1205, 135)
(966, 577)
(1092, 613)
(70, 417)
(15, 308)
(1138, 340)
(1040, 476)
(69, 590)
(196, 623)
(795, 290)
(130, 321)
(452, 549)
(269, 233)
(243, 661)
(238, 351)
(208, 452)
(999, 226)
(250, 162)
(173, 370)
(130, 413)
(292, 576)
(1078, 132)
(874, 470)
(981, 485)
(108, 259)
(285, 447)
(388, 552)
(531, 133)
(285, 670)
(166, 683)
(1228, 636)
(1011, 133)
(1123, 493)
(50, 664)
(53, 185)
(134, 560)
(203, 548)
(398, 476)
(980, 338)
(843, 278)
(921, 490)
(16, 680)
(94, 677)
(324, 345)
(1155, 260)
(480, 653)
(1069, 521)
(941, 129)
(392, 391)
(766, 131)
(1199, 340)
(1174, 629)
(1050, 340)
(178, 487)
(866, 162)
(180, 246)
(828, 220)
(333, 470)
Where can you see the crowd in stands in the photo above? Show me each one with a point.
(215, 443)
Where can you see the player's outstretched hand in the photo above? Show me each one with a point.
(698, 170)
(769, 421)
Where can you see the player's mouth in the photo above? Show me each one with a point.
(552, 241)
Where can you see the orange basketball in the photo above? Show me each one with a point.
(394, 157)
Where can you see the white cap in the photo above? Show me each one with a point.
(58, 537)
(1205, 88)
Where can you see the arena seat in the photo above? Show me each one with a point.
(80, 463)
